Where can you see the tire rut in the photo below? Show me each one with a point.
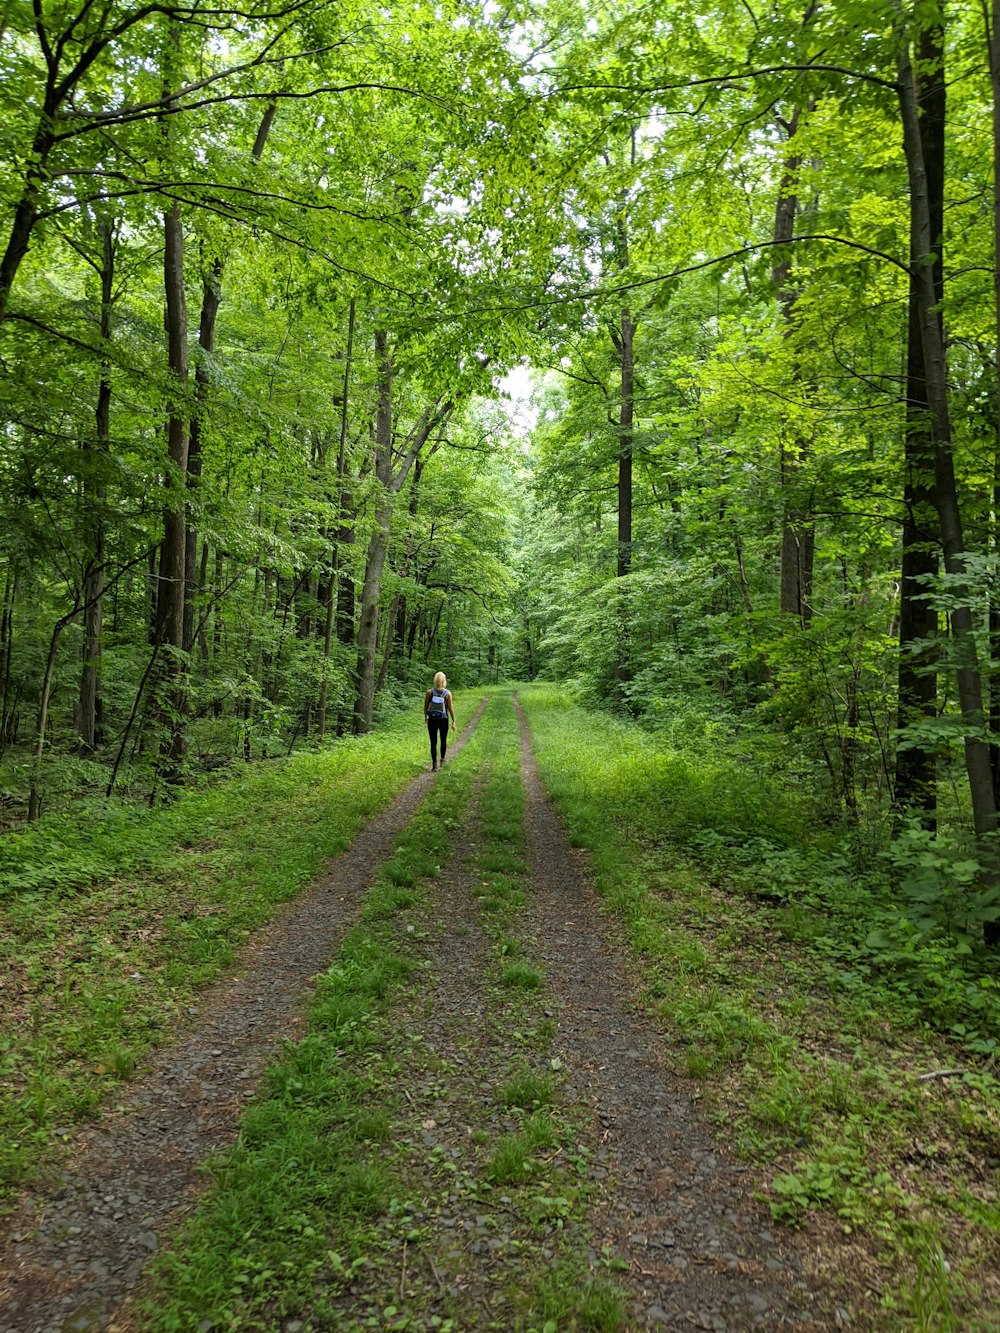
(700, 1251)
(457, 1248)
(77, 1242)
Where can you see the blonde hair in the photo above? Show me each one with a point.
(440, 681)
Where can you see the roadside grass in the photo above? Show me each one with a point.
(109, 924)
(292, 1209)
(823, 1064)
(327, 1212)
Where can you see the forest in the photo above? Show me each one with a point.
(264, 274)
(645, 355)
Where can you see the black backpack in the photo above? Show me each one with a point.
(438, 706)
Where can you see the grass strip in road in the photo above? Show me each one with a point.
(290, 1215)
(538, 1169)
(807, 1056)
(110, 924)
(369, 1186)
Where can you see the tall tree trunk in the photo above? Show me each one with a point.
(624, 342)
(993, 47)
(391, 480)
(170, 581)
(378, 543)
(916, 765)
(964, 650)
(6, 654)
(202, 585)
(346, 599)
(336, 580)
(797, 532)
(210, 300)
(89, 707)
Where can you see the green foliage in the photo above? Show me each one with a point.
(944, 879)
(516, 1156)
(570, 1300)
(110, 923)
(839, 1178)
(527, 1090)
(521, 975)
(801, 997)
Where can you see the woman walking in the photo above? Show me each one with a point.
(437, 710)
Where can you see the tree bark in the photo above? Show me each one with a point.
(170, 580)
(916, 766)
(391, 479)
(967, 667)
(624, 342)
(7, 712)
(89, 709)
(170, 583)
(993, 47)
(797, 532)
(378, 543)
(210, 300)
(336, 577)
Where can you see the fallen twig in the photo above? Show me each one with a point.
(939, 1073)
(437, 1275)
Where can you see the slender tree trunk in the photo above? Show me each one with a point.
(378, 543)
(202, 586)
(337, 580)
(170, 581)
(89, 709)
(916, 766)
(411, 639)
(797, 531)
(993, 46)
(346, 604)
(625, 346)
(210, 300)
(624, 341)
(390, 482)
(6, 653)
(218, 582)
(964, 651)
(390, 634)
(35, 781)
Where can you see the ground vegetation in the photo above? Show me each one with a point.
(265, 274)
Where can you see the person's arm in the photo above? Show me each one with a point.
(452, 712)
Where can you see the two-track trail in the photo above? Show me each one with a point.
(546, 1163)
(77, 1244)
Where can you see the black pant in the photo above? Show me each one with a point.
(438, 726)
